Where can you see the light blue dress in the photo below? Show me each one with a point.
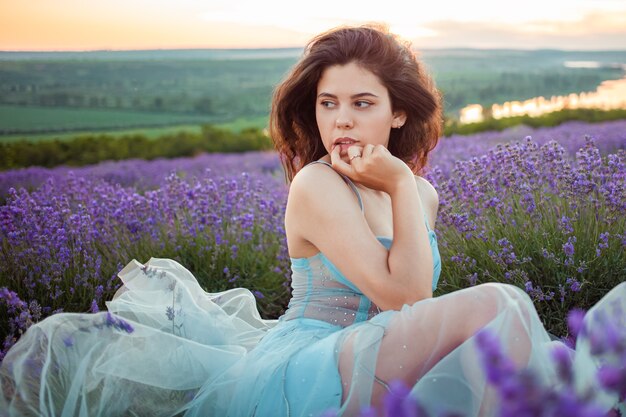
(167, 347)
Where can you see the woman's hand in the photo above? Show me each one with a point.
(374, 167)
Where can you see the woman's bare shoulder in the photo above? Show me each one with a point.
(318, 185)
(319, 204)
(314, 178)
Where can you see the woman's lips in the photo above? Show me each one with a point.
(344, 144)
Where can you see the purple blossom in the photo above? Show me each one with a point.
(35, 310)
(68, 237)
(575, 321)
(522, 393)
(398, 401)
(537, 293)
(603, 244)
(11, 300)
(565, 225)
(68, 341)
(170, 313)
(568, 248)
(498, 367)
(68, 229)
(574, 285)
(614, 379)
(99, 292)
(118, 323)
(562, 356)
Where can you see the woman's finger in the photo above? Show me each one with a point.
(355, 155)
(338, 163)
(354, 152)
(367, 150)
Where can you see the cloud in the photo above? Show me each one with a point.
(595, 30)
(591, 23)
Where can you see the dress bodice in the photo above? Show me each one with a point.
(322, 292)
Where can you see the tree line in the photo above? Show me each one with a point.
(548, 119)
(91, 149)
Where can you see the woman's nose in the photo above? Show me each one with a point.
(344, 122)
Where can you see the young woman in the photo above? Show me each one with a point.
(353, 122)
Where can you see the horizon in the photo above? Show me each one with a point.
(270, 48)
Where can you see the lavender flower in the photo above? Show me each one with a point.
(68, 231)
(523, 210)
(575, 321)
(568, 248)
(118, 323)
(170, 313)
(398, 402)
(69, 237)
(521, 392)
(68, 341)
(613, 379)
(499, 368)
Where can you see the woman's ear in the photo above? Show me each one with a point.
(399, 118)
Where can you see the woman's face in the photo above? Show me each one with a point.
(353, 107)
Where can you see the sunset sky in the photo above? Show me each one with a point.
(168, 24)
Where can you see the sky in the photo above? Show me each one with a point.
(75, 25)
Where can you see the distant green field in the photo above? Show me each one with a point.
(151, 132)
(31, 120)
(49, 95)
(242, 123)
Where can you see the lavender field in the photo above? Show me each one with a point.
(542, 209)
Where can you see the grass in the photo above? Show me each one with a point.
(151, 132)
(44, 115)
(242, 123)
(18, 122)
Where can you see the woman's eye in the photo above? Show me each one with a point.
(362, 104)
(327, 104)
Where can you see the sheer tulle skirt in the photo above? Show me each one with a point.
(166, 347)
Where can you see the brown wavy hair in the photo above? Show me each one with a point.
(293, 126)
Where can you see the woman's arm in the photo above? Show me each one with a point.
(323, 211)
(430, 199)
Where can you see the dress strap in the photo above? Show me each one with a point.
(347, 180)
